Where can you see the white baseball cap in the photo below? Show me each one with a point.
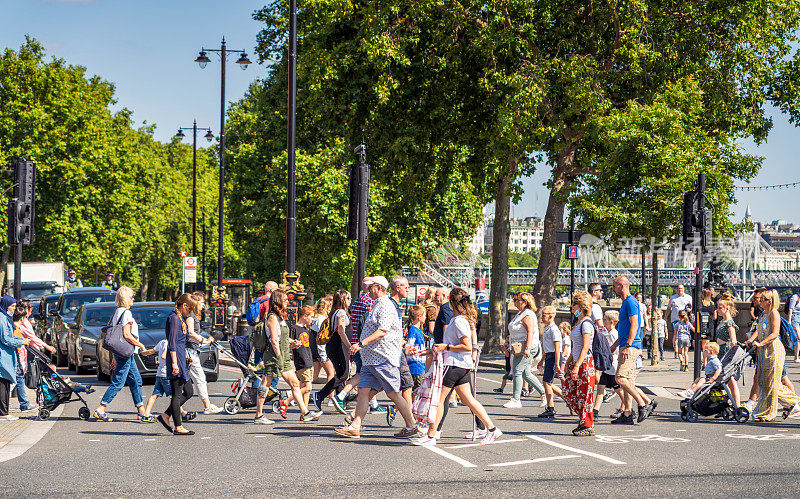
(380, 280)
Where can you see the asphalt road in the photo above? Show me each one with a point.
(229, 455)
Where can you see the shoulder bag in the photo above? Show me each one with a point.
(115, 341)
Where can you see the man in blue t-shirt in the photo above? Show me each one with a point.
(630, 348)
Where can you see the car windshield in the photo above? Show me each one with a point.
(151, 317)
(50, 303)
(72, 303)
(97, 316)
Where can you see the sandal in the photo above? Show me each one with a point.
(102, 416)
(578, 429)
(585, 432)
(189, 415)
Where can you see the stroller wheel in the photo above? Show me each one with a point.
(84, 413)
(692, 416)
(276, 407)
(684, 416)
(728, 414)
(742, 415)
(232, 406)
(43, 414)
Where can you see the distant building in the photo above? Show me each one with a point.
(526, 234)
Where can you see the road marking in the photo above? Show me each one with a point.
(476, 444)
(630, 430)
(436, 450)
(205, 438)
(29, 437)
(315, 435)
(624, 439)
(783, 430)
(685, 430)
(94, 440)
(531, 461)
(572, 449)
(765, 438)
(261, 436)
(149, 439)
(490, 380)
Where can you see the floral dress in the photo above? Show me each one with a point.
(579, 393)
(772, 392)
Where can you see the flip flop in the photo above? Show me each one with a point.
(102, 416)
(160, 419)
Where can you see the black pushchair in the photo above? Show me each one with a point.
(244, 395)
(51, 389)
(715, 398)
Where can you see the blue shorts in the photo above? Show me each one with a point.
(162, 388)
(384, 377)
(549, 367)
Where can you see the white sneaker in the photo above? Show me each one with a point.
(513, 404)
(212, 409)
(797, 360)
(424, 440)
(8, 418)
(453, 404)
(330, 403)
(478, 434)
(750, 405)
(687, 394)
(263, 420)
(491, 436)
(438, 434)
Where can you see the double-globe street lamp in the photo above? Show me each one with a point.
(209, 137)
(203, 60)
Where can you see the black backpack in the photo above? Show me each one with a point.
(601, 352)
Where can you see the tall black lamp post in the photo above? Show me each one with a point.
(291, 278)
(219, 297)
(209, 137)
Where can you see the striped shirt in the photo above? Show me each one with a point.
(358, 309)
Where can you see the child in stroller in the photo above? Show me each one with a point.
(245, 388)
(52, 389)
(711, 395)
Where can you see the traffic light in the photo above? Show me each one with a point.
(21, 208)
(698, 221)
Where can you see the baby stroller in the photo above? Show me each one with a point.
(51, 389)
(715, 398)
(244, 395)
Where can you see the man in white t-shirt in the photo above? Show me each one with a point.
(678, 302)
(381, 348)
(596, 292)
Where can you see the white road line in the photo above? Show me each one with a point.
(783, 430)
(260, 436)
(315, 435)
(436, 450)
(205, 438)
(476, 444)
(94, 440)
(149, 439)
(577, 451)
(531, 461)
(29, 437)
(490, 380)
(630, 430)
(685, 430)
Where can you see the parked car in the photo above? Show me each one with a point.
(43, 315)
(82, 339)
(151, 318)
(64, 316)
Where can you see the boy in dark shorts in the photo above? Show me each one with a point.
(552, 346)
(302, 356)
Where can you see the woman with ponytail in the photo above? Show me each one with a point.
(177, 363)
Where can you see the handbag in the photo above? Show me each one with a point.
(33, 375)
(516, 348)
(427, 396)
(324, 335)
(115, 341)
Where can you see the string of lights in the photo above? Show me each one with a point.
(767, 187)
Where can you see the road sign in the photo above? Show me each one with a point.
(572, 252)
(189, 269)
(562, 236)
(183, 254)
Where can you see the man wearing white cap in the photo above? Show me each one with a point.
(381, 347)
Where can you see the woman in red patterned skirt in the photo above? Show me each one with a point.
(579, 372)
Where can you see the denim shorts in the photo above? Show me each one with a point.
(549, 367)
(384, 377)
(162, 388)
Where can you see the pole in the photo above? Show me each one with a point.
(18, 271)
(363, 216)
(572, 260)
(204, 252)
(194, 188)
(221, 207)
(291, 226)
(698, 286)
(644, 279)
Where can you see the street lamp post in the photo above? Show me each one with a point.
(209, 136)
(219, 296)
(291, 278)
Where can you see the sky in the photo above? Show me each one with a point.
(147, 49)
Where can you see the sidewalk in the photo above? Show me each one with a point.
(18, 436)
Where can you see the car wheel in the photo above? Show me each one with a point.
(101, 376)
(81, 369)
(212, 377)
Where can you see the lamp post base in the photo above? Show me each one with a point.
(295, 292)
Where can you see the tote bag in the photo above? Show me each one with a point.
(115, 342)
(429, 392)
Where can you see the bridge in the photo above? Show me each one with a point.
(520, 276)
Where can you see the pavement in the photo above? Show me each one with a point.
(661, 457)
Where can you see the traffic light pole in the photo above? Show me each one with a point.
(18, 271)
(698, 287)
(21, 214)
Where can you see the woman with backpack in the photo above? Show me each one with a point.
(523, 337)
(338, 348)
(579, 373)
(771, 358)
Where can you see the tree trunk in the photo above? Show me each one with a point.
(145, 284)
(550, 256)
(501, 231)
(654, 354)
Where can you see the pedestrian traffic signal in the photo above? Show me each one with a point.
(697, 221)
(21, 207)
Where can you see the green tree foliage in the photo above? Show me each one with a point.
(108, 195)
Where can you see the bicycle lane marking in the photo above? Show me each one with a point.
(576, 451)
(443, 453)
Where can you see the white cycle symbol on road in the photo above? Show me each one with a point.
(764, 438)
(624, 439)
